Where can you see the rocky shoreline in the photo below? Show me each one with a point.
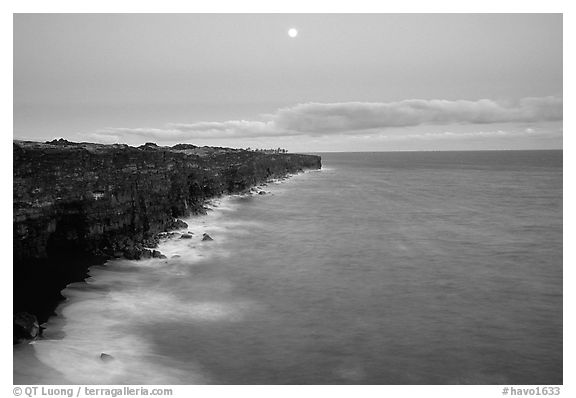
(80, 204)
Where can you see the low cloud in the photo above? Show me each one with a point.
(229, 129)
(183, 132)
(472, 134)
(315, 118)
(319, 119)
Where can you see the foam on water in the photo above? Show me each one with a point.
(102, 317)
(103, 314)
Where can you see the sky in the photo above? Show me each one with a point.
(346, 82)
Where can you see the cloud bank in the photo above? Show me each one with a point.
(321, 119)
(317, 118)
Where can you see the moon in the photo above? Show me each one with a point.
(292, 32)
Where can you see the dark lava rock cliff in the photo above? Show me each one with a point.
(82, 202)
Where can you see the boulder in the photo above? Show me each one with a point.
(262, 193)
(132, 253)
(206, 237)
(157, 254)
(25, 327)
(176, 224)
(147, 253)
(186, 236)
(106, 357)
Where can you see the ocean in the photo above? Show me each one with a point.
(381, 268)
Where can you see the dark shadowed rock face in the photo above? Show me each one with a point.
(109, 197)
(71, 199)
(25, 327)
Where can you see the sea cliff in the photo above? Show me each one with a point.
(77, 204)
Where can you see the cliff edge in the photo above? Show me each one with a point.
(83, 203)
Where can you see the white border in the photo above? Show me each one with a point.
(252, 6)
